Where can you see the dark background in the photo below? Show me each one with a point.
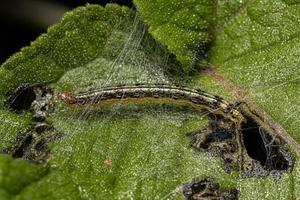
(22, 21)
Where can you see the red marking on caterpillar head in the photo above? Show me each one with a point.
(67, 98)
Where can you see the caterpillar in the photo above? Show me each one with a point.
(214, 104)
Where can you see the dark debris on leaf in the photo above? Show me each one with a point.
(219, 138)
(33, 144)
(207, 189)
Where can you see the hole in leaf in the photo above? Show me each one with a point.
(21, 98)
(38, 98)
(20, 151)
(253, 141)
(261, 146)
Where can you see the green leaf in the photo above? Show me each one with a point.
(141, 151)
(180, 25)
(15, 176)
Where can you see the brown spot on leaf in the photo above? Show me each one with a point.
(108, 161)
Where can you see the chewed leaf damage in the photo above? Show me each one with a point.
(207, 189)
